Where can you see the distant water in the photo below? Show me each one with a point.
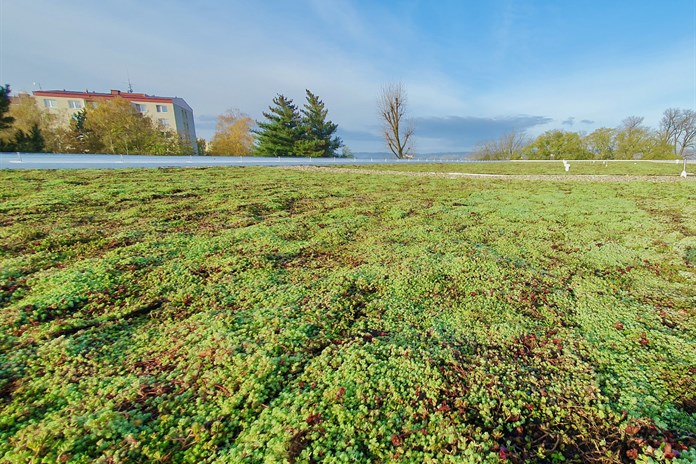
(69, 161)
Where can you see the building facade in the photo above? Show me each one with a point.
(171, 113)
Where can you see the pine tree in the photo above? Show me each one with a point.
(318, 139)
(5, 121)
(32, 142)
(280, 134)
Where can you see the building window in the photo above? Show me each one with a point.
(140, 107)
(161, 109)
(163, 122)
(74, 104)
(49, 103)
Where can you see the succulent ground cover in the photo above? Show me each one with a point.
(275, 315)
(584, 167)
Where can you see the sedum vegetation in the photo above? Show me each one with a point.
(273, 315)
(618, 169)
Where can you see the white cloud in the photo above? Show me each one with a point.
(604, 93)
(239, 55)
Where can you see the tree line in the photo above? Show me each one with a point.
(116, 127)
(675, 138)
(113, 127)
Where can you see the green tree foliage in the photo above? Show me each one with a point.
(601, 143)
(636, 141)
(82, 139)
(657, 149)
(557, 144)
(280, 133)
(289, 132)
(319, 138)
(202, 146)
(166, 142)
(29, 142)
(5, 120)
(632, 139)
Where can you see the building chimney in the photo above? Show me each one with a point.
(115, 92)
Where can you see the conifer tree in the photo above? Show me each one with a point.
(280, 133)
(5, 121)
(31, 142)
(318, 138)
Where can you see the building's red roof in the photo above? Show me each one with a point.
(96, 95)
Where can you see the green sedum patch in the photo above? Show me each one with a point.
(270, 315)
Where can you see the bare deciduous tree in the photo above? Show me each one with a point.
(398, 132)
(632, 123)
(678, 128)
(509, 146)
(668, 126)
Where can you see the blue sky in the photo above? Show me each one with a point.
(473, 70)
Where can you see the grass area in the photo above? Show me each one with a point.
(271, 315)
(637, 168)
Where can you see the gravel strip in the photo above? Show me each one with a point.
(456, 175)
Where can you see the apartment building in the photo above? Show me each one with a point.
(171, 113)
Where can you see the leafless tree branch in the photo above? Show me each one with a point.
(397, 131)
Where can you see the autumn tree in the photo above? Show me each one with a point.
(117, 127)
(318, 138)
(29, 119)
(31, 130)
(397, 131)
(233, 135)
(279, 134)
(26, 114)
